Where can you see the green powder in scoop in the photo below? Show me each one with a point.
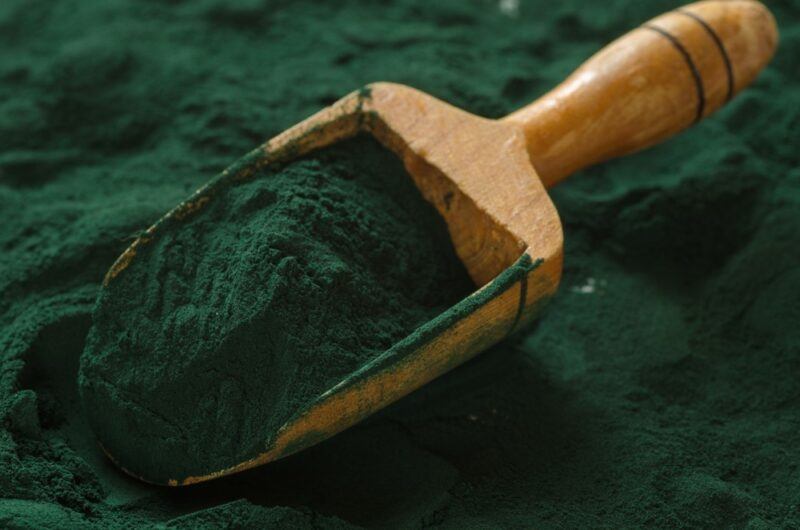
(229, 322)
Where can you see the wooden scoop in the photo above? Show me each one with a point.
(487, 179)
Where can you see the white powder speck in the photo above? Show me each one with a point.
(509, 7)
(589, 287)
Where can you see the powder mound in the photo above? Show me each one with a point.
(230, 321)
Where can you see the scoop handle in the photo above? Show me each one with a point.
(647, 85)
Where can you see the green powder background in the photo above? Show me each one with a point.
(660, 387)
(231, 321)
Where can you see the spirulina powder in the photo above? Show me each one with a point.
(659, 389)
(229, 322)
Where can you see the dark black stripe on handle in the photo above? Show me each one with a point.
(523, 299)
(698, 80)
(720, 45)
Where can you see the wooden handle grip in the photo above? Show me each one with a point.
(647, 85)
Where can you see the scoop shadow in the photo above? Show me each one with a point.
(496, 419)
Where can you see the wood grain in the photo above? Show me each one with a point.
(641, 89)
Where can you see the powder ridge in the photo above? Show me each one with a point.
(232, 319)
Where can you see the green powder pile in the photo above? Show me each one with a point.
(659, 389)
(230, 322)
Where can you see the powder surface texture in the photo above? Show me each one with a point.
(659, 389)
(236, 317)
